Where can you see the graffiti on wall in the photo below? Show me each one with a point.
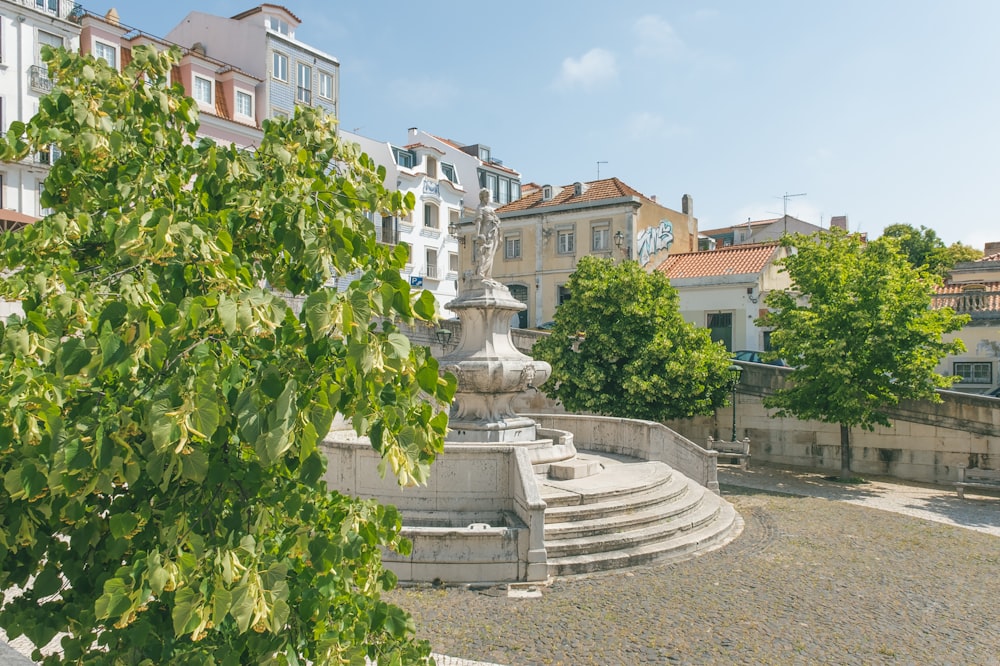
(654, 239)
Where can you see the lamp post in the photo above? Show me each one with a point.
(443, 336)
(619, 241)
(734, 378)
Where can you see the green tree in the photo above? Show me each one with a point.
(163, 497)
(621, 347)
(858, 330)
(923, 247)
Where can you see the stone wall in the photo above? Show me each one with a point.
(926, 442)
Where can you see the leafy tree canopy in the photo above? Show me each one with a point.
(162, 497)
(858, 330)
(621, 347)
(923, 247)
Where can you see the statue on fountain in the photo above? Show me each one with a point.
(487, 237)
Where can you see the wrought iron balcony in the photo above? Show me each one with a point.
(38, 79)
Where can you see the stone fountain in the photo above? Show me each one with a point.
(511, 498)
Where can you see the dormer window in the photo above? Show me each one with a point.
(484, 153)
(202, 90)
(546, 192)
(107, 53)
(448, 171)
(278, 25)
(244, 104)
(432, 167)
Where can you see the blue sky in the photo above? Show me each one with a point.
(887, 111)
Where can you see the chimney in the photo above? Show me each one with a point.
(991, 248)
(687, 204)
(112, 16)
(838, 222)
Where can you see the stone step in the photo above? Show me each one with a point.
(642, 498)
(653, 507)
(602, 541)
(708, 536)
(614, 480)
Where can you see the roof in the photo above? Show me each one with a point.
(734, 260)
(992, 257)
(12, 220)
(980, 297)
(259, 8)
(593, 192)
(751, 223)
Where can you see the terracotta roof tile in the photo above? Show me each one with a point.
(962, 299)
(12, 220)
(752, 223)
(595, 190)
(992, 257)
(734, 260)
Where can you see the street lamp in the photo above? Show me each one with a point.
(734, 378)
(443, 336)
(619, 241)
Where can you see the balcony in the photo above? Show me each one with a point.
(38, 79)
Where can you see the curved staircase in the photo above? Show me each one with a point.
(630, 512)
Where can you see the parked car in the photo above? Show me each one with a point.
(757, 357)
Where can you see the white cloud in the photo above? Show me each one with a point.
(595, 68)
(655, 38)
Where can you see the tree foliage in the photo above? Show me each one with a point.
(858, 330)
(163, 497)
(923, 248)
(621, 347)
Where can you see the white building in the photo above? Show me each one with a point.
(421, 170)
(724, 290)
(261, 42)
(25, 27)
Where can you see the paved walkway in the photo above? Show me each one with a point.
(885, 572)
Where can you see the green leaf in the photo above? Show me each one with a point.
(185, 611)
(122, 524)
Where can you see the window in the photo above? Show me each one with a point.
(430, 216)
(490, 183)
(279, 113)
(720, 326)
(453, 220)
(566, 241)
(453, 262)
(564, 294)
(448, 171)
(600, 237)
(244, 103)
(404, 158)
(520, 292)
(277, 24)
(504, 192)
(325, 85)
(202, 90)
(107, 53)
(48, 5)
(279, 66)
(46, 38)
(512, 246)
(974, 372)
(432, 167)
(304, 80)
(432, 263)
(484, 153)
(515, 190)
(388, 233)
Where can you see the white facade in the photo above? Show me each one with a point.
(433, 263)
(261, 42)
(25, 26)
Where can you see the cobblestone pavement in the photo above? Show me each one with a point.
(891, 573)
(896, 573)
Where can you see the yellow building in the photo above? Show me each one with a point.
(547, 230)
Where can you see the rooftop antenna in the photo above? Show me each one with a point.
(599, 163)
(784, 215)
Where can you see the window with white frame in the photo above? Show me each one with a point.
(512, 245)
(515, 190)
(430, 216)
(453, 262)
(448, 171)
(432, 263)
(490, 183)
(504, 191)
(202, 90)
(279, 66)
(107, 53)
(974, 372)
(566, 241)
(278, 25)
(46, 38)
(600, 237)
(51, 6)
(325, 85)
(304, 81)
(244, 104)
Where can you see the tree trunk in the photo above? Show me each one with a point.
(845, 452)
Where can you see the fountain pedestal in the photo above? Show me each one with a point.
(491, 371)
